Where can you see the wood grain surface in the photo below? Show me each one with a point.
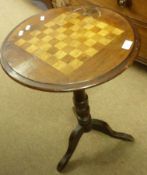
(69, 48)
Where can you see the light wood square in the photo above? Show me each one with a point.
(91, 52)
(39, 54)
(75, 35)
(103, 32)
(61, 30)
(48, 31)
(90, 19)
(75, 21)
(47, 38)
(60, 45)
(101, 25)
(90, 42)
(117, 31)
(89, 34)
(46, 47)
(59, 65)
(31, 49)
(33, 40)
(60, 36)
(60, 54)
(75, 43)
(76, 63)
(45, 56)
(88, 26)
(75, 53)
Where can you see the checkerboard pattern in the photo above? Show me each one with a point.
(68, 41)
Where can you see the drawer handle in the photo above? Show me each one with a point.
(124, 3)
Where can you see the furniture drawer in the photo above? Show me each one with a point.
(137, 9)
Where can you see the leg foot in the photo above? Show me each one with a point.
(102, 126)
(73, 141)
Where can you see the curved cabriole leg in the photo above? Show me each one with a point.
(103, 127)
(73, 141)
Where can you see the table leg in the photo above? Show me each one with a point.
(103, 127)
(86, 124)
(73, 142)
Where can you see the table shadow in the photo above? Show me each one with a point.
(106, 157)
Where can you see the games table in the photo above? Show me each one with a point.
(69, 50)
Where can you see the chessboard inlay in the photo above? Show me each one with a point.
(68, 41)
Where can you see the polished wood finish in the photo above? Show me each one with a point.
(86, 124)
(69, 48)
(136, 10)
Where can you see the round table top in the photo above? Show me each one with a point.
(68, 49)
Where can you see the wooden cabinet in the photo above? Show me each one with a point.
(136, 10)
(48, 3)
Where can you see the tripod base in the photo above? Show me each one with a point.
(103, 127)
(86, 124)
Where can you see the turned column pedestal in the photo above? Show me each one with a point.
(86, 124)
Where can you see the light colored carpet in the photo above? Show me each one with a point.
(34, 125)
